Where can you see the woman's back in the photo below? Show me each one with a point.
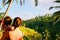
(15, 34)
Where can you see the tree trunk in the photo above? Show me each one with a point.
(7, 9)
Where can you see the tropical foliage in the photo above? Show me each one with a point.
(30, 34)
(57, 1)
(48, 26)
(4, 2)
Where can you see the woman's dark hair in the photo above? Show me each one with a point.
(7, 20)
(15, 22)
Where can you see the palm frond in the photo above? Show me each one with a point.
(56, 16)
(22, 2)
(3, 2)
(57, 1)
(36, 2)
(57, 13)
(51, 8)
(6, 2)
(54, 7)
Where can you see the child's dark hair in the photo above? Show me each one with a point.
(7, 20)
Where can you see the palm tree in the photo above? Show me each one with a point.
(9, 2)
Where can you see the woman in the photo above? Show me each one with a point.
(16, 34)
(7, 27)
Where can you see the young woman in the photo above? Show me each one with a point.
(16, 34)
(7, 28)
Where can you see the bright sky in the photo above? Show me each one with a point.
(28, 10)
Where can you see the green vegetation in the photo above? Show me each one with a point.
(48, 26)
(30, 34)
